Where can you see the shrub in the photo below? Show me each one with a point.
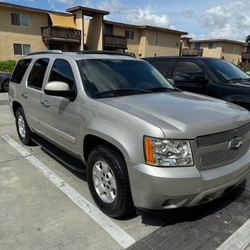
(7, 66)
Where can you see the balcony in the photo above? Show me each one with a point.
(192, 52)
(60, 34)
(246, 55)
(116, 42)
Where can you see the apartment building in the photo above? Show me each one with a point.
(142, 41)
(229, 50)
(25, 29)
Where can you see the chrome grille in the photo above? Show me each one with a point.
(226, 136)
(214, 150)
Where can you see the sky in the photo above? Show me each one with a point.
(202, 19)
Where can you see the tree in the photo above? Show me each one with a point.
(248, 40)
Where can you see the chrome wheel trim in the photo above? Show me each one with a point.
(21, 126)
(104, 182)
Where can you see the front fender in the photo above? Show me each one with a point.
(117, 127)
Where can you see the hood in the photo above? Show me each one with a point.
(182, 114)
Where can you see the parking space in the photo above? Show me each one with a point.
(33, 209)
(44, 205)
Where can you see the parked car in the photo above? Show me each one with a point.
(207, 76)
(4, 81)
(142, 142)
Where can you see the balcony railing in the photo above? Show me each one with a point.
(246, 55)
(60, 34)
(192, 52)
(119, 42)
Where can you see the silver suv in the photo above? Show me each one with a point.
(143, 142)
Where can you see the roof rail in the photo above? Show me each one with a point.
(104, 52)
(46, 52)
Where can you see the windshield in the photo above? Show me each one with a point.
(114, 77)
(226, 71)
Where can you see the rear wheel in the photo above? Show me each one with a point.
(108, 182)
(5, 86)
(23, 129)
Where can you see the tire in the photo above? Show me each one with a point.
(23, 129)
(104, 162)
(5, 86)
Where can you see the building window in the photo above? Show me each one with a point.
(156, 39)
(129, 34)
(211, 45)
(195, 45)
(20, 20)
(108, 30)
(21, 49)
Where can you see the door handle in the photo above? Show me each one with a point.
(25, 95)
(45, 104)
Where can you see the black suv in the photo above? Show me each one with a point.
(208, 76)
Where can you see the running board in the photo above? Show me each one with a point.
(60, 155)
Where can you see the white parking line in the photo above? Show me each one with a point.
(239, 240)
(123, 238)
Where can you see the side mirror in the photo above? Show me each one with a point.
(171, 81)
(57, 88)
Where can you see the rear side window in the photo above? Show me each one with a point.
(185, 70)
(62, 71)
(163, 66)
(20, 70)
(37, 73)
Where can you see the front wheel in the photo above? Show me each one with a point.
(23, 129)
(108, 182)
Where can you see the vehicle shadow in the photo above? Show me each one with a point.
(176, 216)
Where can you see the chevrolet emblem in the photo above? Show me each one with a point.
(235, 143)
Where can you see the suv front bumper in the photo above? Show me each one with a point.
(165, 188)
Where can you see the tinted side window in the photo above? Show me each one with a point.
(185, 70)
(20, 70)
(37, 73)
(163, 66)
(61, 71)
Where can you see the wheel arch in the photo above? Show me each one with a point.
(15, 106)
(92, 140)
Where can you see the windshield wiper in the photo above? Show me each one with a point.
(237, 79)
(121, 92)
(162, 89)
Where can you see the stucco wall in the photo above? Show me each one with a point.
(214, 52)
(79, 21)
(133, 45)
(10, 34)
(168, 44)
(93, 32)
(232, 52)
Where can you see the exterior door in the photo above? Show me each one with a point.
(33, 93)
(60, 116)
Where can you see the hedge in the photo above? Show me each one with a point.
(7, 66)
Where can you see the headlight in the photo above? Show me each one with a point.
(168, 153)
